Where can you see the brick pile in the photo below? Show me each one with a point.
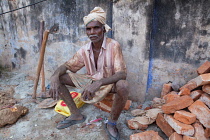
(186, 113)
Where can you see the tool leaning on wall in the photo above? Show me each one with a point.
(52, 30)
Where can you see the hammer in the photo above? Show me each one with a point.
(53, 29)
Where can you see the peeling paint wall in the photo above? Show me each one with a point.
(180, 42)
(161, 41)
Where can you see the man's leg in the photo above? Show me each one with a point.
(66, 97)
(119, 103)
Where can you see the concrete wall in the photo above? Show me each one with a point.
(162, 41)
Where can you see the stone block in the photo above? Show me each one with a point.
(201, 111)
(177, 104)
(166, 89)
(184, 91)
(164, 126)
(147, 135)
(199, 131)
(196, 94)
(175, 136)
(205, 98)
(189, 138)
(180, 128)
(204, 68)
(185, 117)
(170, 97)
(206, 88)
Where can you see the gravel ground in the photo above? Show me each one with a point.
(39, 124)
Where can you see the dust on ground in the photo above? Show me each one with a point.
(40, 124)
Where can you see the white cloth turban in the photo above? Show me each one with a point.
(97, 14)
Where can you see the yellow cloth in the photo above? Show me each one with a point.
(97, 14)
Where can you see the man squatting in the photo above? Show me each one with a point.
(103, 60)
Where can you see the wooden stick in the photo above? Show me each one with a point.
(40, 44)
(41, 58)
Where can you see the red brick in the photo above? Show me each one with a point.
(203, 79)
(175, 136)
(206, 88)
(201, 111)
(164, 126)
(184, 91)
(190, 85)
(196, 94)
(204, 68)
(166, 89)
(199, 131)
(189, 138)
(106, 103)
(147, 135)
(205, 98)
(136, 125)
(179, 127)
(185, 117)
(207, 132)
(170, 97)
(177, 104)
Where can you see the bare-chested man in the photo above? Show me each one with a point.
(102, 57)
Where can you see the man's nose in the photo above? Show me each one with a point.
(92, 31)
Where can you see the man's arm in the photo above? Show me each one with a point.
(90, 90)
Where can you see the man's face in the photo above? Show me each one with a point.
(95, 31)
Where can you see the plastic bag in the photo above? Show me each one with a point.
(63, 109)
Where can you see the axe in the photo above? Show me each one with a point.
(53, 29)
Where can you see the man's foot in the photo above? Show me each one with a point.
(70, 121)
(112, 131)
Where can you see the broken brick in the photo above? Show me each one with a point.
(204, 68)
(127, 105)
(175, 136)
(106, 103)
(189, 138)
(136, 125)
(164, 126)
(203, 79)
(185, 117)
(205, 98)
(207, 132)
(206, 88)
(147, 135)
(190, 85)
(166, 89)
(199, 131)
(184, 91)
(180, 128)
(177, 104)
(196, 94)
(170, 97)
(201, 111)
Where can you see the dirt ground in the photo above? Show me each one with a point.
(40, 124)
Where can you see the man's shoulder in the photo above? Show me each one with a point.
(112, 42)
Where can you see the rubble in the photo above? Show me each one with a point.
(185, 113)
(11, 115)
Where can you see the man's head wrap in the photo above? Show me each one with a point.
(97, 14)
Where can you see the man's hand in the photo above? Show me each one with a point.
(89, 91)
(54, 87)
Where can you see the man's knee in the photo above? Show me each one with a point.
(122, 85)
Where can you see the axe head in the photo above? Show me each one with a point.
(54, 28)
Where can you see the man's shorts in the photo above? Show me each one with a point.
(81, 81)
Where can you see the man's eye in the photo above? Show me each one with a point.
(87, 29)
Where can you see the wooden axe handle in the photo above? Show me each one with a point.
(41, 59)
